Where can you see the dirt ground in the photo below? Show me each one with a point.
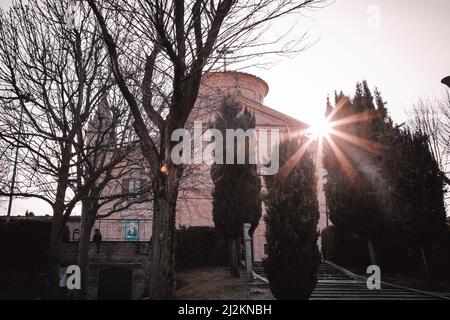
(216, 284)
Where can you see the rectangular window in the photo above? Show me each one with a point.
(134, 185)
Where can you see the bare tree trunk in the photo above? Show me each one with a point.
(234, 257)
(54, 256)
(54, 251)
(87, 222)
(372, 252)
(162, 251)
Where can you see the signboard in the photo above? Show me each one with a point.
(131, 230)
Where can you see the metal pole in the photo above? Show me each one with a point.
(13, 179)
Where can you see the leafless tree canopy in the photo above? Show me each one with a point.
(54, 77)
(432, 117)
(50, 85)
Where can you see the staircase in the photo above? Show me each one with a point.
(336, 283)
(258, 268)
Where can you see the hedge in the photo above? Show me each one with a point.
(394, 256)
(23, 255)
(200, 247)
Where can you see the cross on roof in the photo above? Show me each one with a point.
(224, 51)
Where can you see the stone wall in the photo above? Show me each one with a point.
(126, 255)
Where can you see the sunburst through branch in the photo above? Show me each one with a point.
(327, 130)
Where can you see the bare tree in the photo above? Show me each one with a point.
(52, 76)
(432, 118)
(444, 106)
(177, 41)
(6, 163)
(106, 141)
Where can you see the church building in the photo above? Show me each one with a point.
(194, 206)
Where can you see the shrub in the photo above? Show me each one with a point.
(200, 247)
(23, 255)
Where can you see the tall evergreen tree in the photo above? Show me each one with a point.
(237, 187)
(368, 103)
(354, 179)
(395, 194)
(381, 107)
(292, 216)
(417, 212)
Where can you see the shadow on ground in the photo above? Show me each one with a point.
(216, 284)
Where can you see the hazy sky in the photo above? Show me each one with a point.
(405, 56)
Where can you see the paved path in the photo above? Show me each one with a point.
(336, 283)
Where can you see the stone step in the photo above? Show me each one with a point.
(335, 284)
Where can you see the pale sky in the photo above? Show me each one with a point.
(405, 56)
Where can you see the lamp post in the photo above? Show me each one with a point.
(446, 81)
(13, 178)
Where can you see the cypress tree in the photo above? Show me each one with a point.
(292, 216)
(381, 107)
(354, 192)
(396, 199)
(417, 214)
(237, 187)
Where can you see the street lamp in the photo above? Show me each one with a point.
(13, 178)
(446, 81)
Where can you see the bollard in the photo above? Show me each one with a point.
(248, 252)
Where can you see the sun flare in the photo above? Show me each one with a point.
(319, 128)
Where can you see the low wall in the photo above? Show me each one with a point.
(114, 254)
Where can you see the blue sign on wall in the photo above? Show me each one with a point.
(131, 230)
